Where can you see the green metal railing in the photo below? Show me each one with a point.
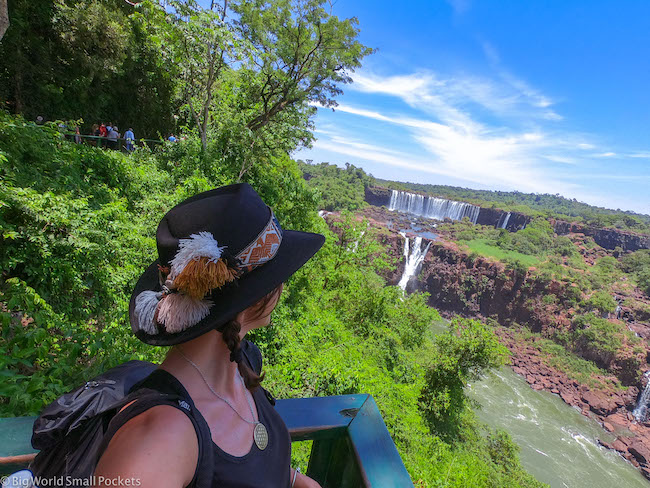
(119, 145)
(351, 445)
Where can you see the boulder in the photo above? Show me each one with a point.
(640, 452)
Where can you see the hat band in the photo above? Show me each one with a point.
(263, 248)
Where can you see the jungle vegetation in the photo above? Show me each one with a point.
(77, 223)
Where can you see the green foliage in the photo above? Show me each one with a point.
(460, 355)
(77, 228)
(638, 264)
(535, 239)
(338, 188)
(602, 301)
(515, 260)
(574, 366)
(596, 338)
(85, 60)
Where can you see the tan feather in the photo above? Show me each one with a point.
(203, 275)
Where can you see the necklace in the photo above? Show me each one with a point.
(260, 434)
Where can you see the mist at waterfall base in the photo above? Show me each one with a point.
(559, 446)
(432, 207)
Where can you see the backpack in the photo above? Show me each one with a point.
(73, 431)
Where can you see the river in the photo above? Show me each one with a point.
(559, 446)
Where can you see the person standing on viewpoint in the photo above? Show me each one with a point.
(130, 137)
(223, 259)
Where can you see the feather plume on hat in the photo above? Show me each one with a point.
(197, 268)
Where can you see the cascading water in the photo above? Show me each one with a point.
(504, 224)
(431, 207)
(412, 259)
(641, 410)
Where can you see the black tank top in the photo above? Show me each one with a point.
(269, 468)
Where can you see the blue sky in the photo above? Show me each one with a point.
(536, 96)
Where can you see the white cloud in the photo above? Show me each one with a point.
(490, 134)
(497, 161)
(451, 97)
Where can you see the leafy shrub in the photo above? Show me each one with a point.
(596, 338)
(602, 301)
(460, 355)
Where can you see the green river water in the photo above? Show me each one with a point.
(559, 446)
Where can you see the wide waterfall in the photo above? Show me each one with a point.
(504, 224)
(412, 259)
(431, 207)
(641, 410)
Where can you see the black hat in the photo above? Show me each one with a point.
(219, 252)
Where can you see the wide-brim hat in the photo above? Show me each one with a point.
(250, 241)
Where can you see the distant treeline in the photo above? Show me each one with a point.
(344, 188)
(533, 204)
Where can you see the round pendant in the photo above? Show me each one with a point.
(261, 436)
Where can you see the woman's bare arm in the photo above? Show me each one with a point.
(156, 449)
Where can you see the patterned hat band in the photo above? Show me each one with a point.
(198, 268)
(263, 248)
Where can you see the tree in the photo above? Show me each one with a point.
(85, 59)
(245, 66)
(4, 17)
(462, 354)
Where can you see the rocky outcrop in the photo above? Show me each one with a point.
(606, 238)
(494, 217)
(378, 196)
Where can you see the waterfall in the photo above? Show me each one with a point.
(432, 207)
(355, 246)
(641, 410)
(412, 259)
(504, 224)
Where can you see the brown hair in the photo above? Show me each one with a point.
(231, 331)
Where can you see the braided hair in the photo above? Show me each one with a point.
(230, 333)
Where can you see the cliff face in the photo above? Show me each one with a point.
(378, 196)
(607, 238)
(459, 284)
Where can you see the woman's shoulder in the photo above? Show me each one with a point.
(159, 447)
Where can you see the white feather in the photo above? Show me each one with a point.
(178, 312)
(201, 245)
(145, 309)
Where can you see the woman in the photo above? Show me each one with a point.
(222, 260)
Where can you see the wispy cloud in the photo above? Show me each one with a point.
(497, 133)
(608, 154)
(450, 97)
(498, 161)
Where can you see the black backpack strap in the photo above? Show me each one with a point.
(253, 355)
(145, 399)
